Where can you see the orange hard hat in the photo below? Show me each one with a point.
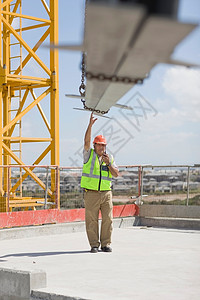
(99, 139)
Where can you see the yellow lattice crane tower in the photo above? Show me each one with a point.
(18, 91)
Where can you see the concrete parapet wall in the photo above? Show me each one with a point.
(17, 284)
(57, 216)
(172, 211)
(176, 223)
(42, 230)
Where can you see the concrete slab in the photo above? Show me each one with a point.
(146, 263)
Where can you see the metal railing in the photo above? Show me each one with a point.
(174, 184)
(177, 184)
(71, 193)
(59, 187)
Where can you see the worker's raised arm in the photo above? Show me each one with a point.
(88, 132)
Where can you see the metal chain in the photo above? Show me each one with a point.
(100, 76)
(102, 112)
(113, 78)
(82, 86)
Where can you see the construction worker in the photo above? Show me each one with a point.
(98, 169)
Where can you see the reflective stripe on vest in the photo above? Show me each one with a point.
(90, 179)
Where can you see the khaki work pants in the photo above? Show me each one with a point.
(95, 201)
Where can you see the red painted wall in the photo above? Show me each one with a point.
(38, 217)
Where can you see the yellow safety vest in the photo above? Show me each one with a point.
(95, 176)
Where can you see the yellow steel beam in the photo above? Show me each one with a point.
(39, 79)
(26, 17)
(6, 100)
(3, 77)
(27, 109)
(14, 10)
(32, 27)
(25, 45)
(41, 112)
(20, 109)
(39, 182)
(28, 57)
(25, 175)
(44, 117)
(27, 204)
(54, 95)
(6, 3)
(54, 88)
(16, 139)
(17, 81)
(29, 78)
(46, 7)
(27, 86)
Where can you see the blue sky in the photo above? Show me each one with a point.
(168, 133)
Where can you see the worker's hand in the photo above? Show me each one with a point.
(105, 158)
(92, 119)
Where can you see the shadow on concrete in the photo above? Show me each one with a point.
(36, 254)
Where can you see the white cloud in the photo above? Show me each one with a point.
(183, 86)
(161, 148)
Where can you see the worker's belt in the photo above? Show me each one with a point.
(87, 190)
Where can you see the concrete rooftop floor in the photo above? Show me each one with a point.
(146, 263)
